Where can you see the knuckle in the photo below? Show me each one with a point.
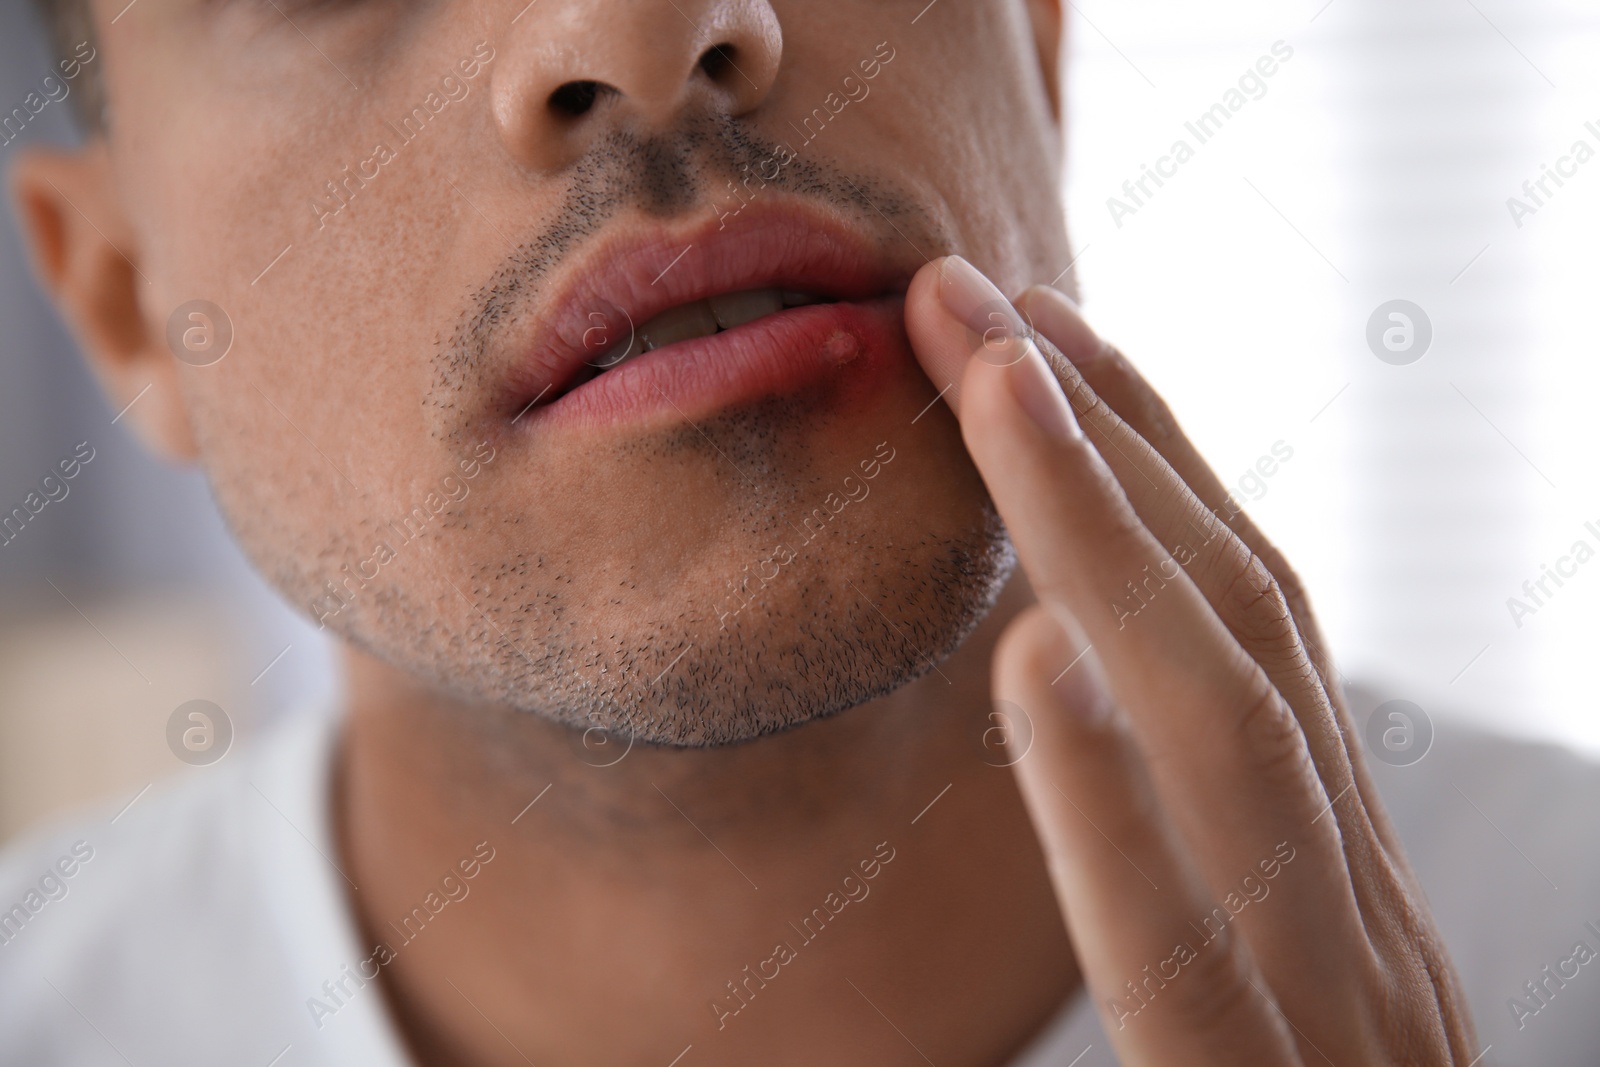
(1290, 585)
(1090, 408)
(1271, 735)
(1217, 990)
(1258, 612)
(1094, 415)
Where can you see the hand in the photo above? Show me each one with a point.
(1232, 888)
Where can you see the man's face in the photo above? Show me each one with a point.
(435, 225)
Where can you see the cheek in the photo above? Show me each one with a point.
(1002, 186)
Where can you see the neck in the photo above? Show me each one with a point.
(793, 892)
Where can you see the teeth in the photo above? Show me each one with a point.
(682, 323)
(736, 309)
(618, 353)
(702, 318)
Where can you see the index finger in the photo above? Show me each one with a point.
(1224, 745)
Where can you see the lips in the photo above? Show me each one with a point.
(691, 320)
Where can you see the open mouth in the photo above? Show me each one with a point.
(686, 322)
(678, 322)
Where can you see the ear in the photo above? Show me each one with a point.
(85, 254)
(1048, 37)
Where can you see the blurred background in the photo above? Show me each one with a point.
(1415, 487)
(125, 598)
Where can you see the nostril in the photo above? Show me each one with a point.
(575, 98)
(718, 62)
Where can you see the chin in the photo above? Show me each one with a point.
(824, 636)
(855, 614)
(867, 558)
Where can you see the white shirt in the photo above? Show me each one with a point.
(195, 926)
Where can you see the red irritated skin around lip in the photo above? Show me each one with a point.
(626, 281)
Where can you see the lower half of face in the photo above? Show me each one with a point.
(683, 581)
(768, 546)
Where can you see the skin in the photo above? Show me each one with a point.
(676, 828)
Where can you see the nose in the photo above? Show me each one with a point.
(573, 69)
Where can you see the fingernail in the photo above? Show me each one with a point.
(976, 301)
(1041, 396)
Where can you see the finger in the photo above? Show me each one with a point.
(1118, 384)
(1229, 753)
(1225, 746)
(1071, 522)
(1364, 823)
(1199, 532)
(1172, 983)
(1045, 489)
(1236, 584)
(944, 296)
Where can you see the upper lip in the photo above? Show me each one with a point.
(624, 280)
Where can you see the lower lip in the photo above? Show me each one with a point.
(850, 345)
